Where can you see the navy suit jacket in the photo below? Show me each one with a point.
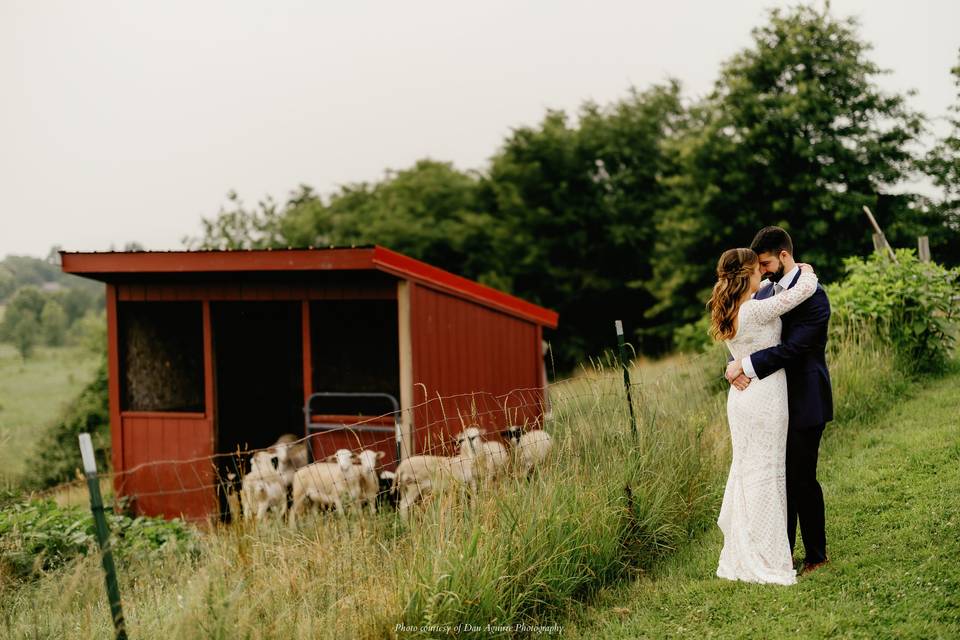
(801, 353)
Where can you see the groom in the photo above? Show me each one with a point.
(810, 397)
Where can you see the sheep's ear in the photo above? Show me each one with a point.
(481, 431)
(380, 454)
(330, 458)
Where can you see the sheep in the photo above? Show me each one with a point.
(387, 496)
(493, 457)
(369, 480)
(291, 455)
(422, 475)
(530, 448)
(263, 488)
(326, 483)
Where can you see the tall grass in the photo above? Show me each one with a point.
(522, 551)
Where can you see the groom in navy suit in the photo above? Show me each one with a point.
(801, 354)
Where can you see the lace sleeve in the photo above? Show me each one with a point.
(774, 306)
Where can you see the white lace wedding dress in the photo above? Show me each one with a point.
(753, 517)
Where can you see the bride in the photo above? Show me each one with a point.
(753, 517)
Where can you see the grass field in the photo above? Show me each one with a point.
(893, 531)
(516, 553)
(32, 394)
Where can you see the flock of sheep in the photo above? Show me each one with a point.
(346, 478)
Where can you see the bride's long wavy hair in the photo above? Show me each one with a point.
(733, 280)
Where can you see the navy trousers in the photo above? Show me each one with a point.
(804, 495)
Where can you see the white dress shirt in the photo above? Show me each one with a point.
(784, 282)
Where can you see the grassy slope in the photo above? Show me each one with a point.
(893, 531)
(32, 394)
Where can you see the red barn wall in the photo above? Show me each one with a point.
(471, 364)
(168, 467)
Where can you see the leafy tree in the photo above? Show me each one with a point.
(21, 320)
(795, 133)
(579, 204)
(238, 227)
(428, 211)
(23, 335)
(7, 283)
(942, 164)
(53, 323)
(431, 211)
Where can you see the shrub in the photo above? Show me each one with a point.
(38, 535)
(911, 304)
(693, 337)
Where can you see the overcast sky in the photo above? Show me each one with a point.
(128, 121)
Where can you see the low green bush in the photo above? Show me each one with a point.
(38, 535)
(911, 304)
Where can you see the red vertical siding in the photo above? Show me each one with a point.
(161, 476)
(486, 358)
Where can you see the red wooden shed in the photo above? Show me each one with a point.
(211, 352)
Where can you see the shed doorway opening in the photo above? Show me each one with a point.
(258, 368)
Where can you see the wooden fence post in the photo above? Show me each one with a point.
(923, 243)
(880, 242)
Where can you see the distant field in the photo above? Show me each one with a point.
(32, 394)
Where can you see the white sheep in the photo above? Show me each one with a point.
(419, 476)
(263, 488)
(530, 448)
(493, 457)
(326, 483)
(291, 455)
(369, 479)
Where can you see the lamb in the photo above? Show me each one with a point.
(418, 476)
(369, 480)
(493, 456)
(326, 483)
(291, 455)
(530, 448)
(263, 487)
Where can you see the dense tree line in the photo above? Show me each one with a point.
(621, 211)
(44, 306)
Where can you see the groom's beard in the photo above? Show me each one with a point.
(776, 276)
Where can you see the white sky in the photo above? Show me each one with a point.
(123, 121)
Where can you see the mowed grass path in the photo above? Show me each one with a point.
(32, 394)
(892, 492)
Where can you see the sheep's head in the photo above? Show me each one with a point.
(283, 453)
(264, 460)
(471, 438)
(513, 434)
(344, 458)
(368, 460)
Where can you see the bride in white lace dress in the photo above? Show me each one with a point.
(753, 517)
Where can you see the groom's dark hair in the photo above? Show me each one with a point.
(772, 240)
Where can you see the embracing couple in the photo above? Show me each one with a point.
(779, 403)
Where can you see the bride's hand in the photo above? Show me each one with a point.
(805, 268)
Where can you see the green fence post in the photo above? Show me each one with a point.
(103, 534)
(626, 376)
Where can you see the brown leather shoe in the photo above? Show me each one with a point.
(810, 567)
